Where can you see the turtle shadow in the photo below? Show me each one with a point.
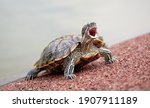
(46, 75)
(78, 70)
(51, 75)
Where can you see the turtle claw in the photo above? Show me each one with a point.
(112, 60)
(30, 77)
(32, 74)
(68, 77)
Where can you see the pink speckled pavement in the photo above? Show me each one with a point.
(131, 72)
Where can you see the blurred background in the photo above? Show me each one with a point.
(27, 26)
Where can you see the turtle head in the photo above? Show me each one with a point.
(89, 31)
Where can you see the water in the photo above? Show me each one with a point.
(27, 26)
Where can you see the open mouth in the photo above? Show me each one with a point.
(93, 32)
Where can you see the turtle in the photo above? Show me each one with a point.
(70, 51)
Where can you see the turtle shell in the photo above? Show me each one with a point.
(57, 50)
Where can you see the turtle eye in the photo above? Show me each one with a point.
(93, 31)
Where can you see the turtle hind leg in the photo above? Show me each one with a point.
(69, 69)
(32, 74)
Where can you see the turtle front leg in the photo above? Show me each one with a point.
(107, 55)
(32, 74)
(69, 69)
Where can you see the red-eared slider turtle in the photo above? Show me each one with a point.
(62, 54)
